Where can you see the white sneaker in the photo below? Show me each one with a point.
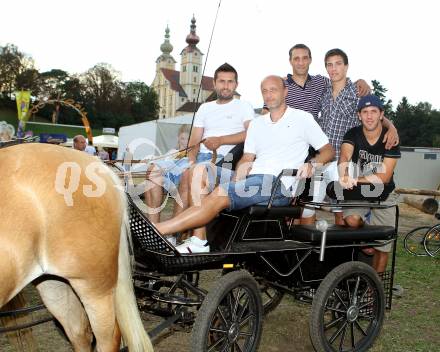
(171, 240)
(193, 245)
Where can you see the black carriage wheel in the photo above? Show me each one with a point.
(271, 296)
(413, 241)
(348, 309)
(230, 318)
(431, 241)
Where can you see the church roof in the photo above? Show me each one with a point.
(174, 78)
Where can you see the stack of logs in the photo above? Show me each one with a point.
(421, 199)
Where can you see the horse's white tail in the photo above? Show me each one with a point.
(127, 313)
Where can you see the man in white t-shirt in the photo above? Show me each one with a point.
(221, 124)
(279, 140)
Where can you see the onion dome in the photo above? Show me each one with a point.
(166, 46)
(192, 38)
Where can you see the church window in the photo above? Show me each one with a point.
(194, 91)
(195, 79)
(184, 68)
(195, 68)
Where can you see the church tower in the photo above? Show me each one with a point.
(191, 64)
(166, 60)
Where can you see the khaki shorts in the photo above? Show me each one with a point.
(382, 217)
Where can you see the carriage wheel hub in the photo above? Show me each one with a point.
(352, 313)
(233, 332)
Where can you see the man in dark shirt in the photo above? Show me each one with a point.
(364, 147)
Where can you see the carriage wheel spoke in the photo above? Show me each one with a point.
(222, 316)
(337, 310)
(238, 347)
(340, 299)
(236, 304)
(364, 293)
(333, 323)
(216, 344)
(243, 309)
(341, 343)
(245, 320)
(348, 290)
(360, 328)
(218, 331)
(337, 333)
(366, 304)
(225, 349)
(353, 344)
(355, 291)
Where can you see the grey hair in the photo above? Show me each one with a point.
(8, 128)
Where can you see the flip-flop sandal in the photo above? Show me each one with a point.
(368, 250)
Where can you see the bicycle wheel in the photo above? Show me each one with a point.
(413, 241)
(431, 241)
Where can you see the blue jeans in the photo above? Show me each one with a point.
(172, 170)
(255, 189)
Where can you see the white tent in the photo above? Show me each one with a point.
(106, 141)
(152, 137)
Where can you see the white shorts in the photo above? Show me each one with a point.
(330, 173)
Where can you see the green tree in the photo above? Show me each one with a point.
(143, 100)
(52, 83)
(29, 79)
(418, 125)
(380, 91)
(105, 98)
(13, 63)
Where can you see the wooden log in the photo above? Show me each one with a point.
(425, 204)
(423, 192)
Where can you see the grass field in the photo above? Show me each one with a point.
(10, 116)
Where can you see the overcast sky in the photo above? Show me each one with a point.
(394, 42)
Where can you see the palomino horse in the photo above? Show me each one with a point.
(64, 227)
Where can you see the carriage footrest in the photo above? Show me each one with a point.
(338, 233)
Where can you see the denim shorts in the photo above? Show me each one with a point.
(172, 170)
(255, 189)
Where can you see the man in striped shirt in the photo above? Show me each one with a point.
(304, 91)
(338, 115)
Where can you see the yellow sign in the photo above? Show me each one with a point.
(23, 99)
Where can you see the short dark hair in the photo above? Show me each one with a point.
(336, 52)
(226, 68)
(299, 46)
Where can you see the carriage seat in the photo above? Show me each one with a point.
(337, 233)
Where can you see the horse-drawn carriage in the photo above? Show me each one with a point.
(260, 255)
